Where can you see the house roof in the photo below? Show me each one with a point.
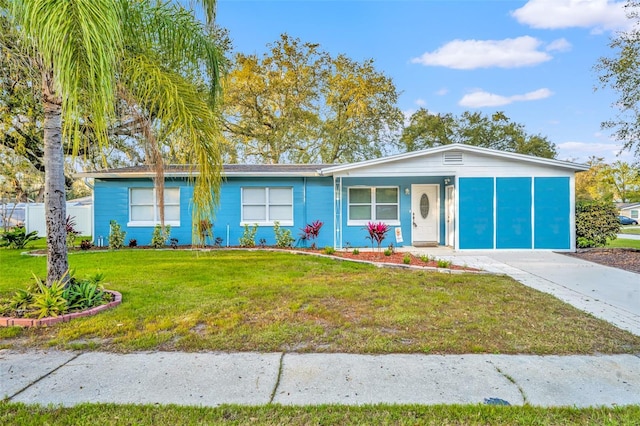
(238, 170)
(302, 170)
(457, 147)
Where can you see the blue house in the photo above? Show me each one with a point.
(461, 196)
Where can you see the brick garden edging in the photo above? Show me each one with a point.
(47, 321)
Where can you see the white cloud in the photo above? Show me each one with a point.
(581, 151)
(471, 54)
(600, 15)
(442, 92)
(420, 102)
(559, 45)
(480, 98)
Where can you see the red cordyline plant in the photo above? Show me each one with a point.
(311, 231)
(377, 232)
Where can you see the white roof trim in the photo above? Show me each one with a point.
(456, 147)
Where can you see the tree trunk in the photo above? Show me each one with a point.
(54, 190)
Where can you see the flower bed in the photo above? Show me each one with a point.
(47, 321)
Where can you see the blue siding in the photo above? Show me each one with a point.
(475, 213)
(111, 198)
(513, 213)
(552, 213)
(355, 236)
(112, 203)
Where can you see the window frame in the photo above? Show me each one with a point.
(268, 221)
(373, 205)
(156, 213)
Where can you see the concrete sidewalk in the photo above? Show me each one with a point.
(211, 379)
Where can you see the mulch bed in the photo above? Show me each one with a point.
(397, 258)
(621, 258)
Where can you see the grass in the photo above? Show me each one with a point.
(112, 414)
(267, 301)
(630, 230)
(623, 243)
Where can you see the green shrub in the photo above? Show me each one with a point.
(18, 238)
(329, 250)
(49, 301)
(84, 294)
(248, 238)
(444, 263)
(283, 236)
(388, 252)
(425, 258)
(406, 259)
(356, 251)
(116, 236)
(596, 222)
(160, 236)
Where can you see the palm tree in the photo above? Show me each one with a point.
(156, 56)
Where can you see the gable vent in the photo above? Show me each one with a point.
(453, 157)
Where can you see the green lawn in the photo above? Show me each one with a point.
(624, 243)
(630, 230)
(265, 301)
(111, 414)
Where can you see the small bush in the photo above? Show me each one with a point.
(173, 242)
(160, 236)
(356, 251)
(248, 238)
(262, 242)
(596, 222)
(377, 232)
(283, 236)
(116, 236)
(310, 232)
(133, 243)
(406, 259)
(388, 252)
(72, 234)
(425, 258)
(18, 238)
(329, 250)
(444, 263)
(85, 245)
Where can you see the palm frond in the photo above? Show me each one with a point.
(79, 41)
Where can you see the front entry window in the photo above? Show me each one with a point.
(424, 206)
(368, 204)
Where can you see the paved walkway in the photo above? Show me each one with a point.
(211, 379)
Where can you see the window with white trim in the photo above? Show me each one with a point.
(266, 205)
(144, 209)
(374, 204)
(634, 214)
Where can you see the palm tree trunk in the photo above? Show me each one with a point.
(54, 190)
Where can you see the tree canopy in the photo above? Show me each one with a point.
(298, 104)
(618, 181)
(427, 130)
(620, 73)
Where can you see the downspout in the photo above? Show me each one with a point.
(93, 209)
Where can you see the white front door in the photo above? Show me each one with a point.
(450, 216)
(425, 215)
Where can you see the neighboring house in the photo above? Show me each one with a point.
(455, 195)
(631, 210)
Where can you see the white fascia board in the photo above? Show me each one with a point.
(456, 147)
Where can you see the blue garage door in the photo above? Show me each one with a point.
(513, 213)
(476, 213)
(551, 212)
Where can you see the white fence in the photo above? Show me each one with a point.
(81, 214)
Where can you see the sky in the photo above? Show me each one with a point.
(533, 60)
